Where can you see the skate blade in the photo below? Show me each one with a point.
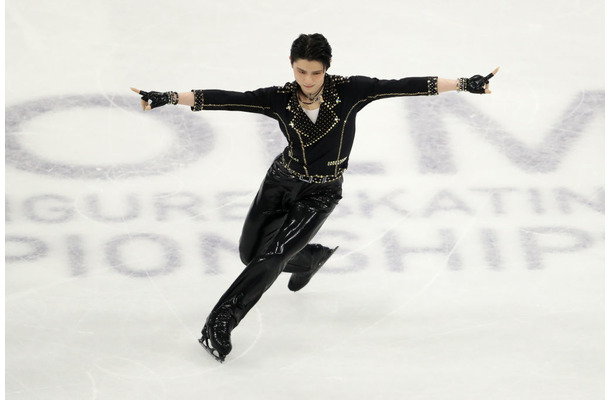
(212, 351)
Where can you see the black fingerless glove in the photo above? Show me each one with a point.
(158, 99)
(474, 84)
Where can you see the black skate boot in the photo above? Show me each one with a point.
(216, 333)
(298, 280)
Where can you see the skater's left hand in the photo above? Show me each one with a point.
(479, 84)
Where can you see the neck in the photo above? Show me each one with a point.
(312, 98)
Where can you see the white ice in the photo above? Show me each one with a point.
(471, 233)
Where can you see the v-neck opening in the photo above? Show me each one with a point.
(312, 114)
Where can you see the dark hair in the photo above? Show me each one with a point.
(312, 47)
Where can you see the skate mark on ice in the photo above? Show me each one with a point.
(259, 318)
(440, 270)
(167, 303)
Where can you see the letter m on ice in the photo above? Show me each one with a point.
(434, 145)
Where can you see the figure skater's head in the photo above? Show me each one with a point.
(312, 47)
(310, 57)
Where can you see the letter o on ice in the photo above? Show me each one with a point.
(117, 258)
(193, 139)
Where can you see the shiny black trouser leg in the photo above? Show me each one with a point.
(284, 217)
(269, 211)
(300, 226)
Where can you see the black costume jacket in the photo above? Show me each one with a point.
(318, 152)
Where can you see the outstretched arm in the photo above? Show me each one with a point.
(446, 85)
(475, 84)
(158, 99)
(186, 99)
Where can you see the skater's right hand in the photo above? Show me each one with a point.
(157, 99)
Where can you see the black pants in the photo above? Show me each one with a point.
(284, 217)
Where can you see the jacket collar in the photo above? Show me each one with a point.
(309, 133)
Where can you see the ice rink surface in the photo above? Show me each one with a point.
(471, 233)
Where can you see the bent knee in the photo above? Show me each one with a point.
(245, 258)
(246, 254)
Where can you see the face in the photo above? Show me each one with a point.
(309, 75)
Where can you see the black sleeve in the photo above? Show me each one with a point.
(373, 88)
(256, 101)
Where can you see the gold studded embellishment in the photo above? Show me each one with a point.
(309, 132)
(432, 86)
(289, 87)
(198, 106)
(338, 162)
(314, 178)
(339, 79)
